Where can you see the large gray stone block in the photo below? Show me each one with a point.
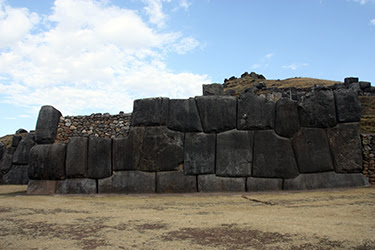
(16, 140)
(99, 164)
(162, 149)
(255, 112)
(46, 126)
(21, 155)
(348, 107)
(2, 150)
(76, 157)
(175, 182)
(76, 186)
(41, 187)
(199, 153)
(317, 109)
(7, 160)
(263, 184)
(150, 112)
(183, 115)
(17, 175)
(346, 147)
(273, 156)
(217, 113)
(213, 183)
(47, 162)
(325, 180)
(128, 182)
(234, 153)
(286, 117)
(213, 89)
(312, 152)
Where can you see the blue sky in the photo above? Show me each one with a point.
(91, 56)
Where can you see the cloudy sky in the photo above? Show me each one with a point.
(97, 56)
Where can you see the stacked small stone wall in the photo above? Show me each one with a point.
(209, 144)
(368, 149)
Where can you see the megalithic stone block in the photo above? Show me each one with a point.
(263, 184)
(213, 183)
(286, 117)
(99, 158)
(46, 126)
(312, 152)
(234, 153)
(7, 160)
(76, 186)
(2, 150)
(255, 112)
(175, 182)
(183, 116)
(41, 187)
(273, 156)
(199, 153)
(346, 147)
(348, 107)
(47, 162)
(325, 180)
(16, 140)
(213, 89)
(17, 175)
(21, 155)
(76, 157)
(150, 112)
(162, 149)
(129, 182)
(217, 113)
(317, 109)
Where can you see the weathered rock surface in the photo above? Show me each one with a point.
(364, 85)
(273, 156)
(2, 150)
(255, 112)
(183, 115)
(234, 153)
(312, 152)
(213, 183)
(213, 89)
(348, 107)
(7, 160)
(46, 126)
(317, 109)
(263, 184)
(127, 152)
(21, 155)
(128, 182)
(99, 164)
(175, 182)
(199, 153)
(76, 157)
(41, 187)
(346, 148)
(47, 162)
(350, 80)
(150, 112)
(286, 117)
(325, 180)
(16, 140)
(217, 113)
(76, 186)
(162, 149)
(17, 175)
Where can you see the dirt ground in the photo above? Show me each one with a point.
(326, 219)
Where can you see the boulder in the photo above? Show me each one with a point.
(150, 112)
(350, 80)
(286, 117)
(199, 153)
(76, 186)
(213, 183)
(348, 107)
(346, 147)
(217, 113)
(213, 89)
(41, 187)
(311, 149)
(263, 184)
(17, 175)
(2, 150)
(230, 92)
(47, 162)
(46, 126)
(234, 153)
(273, 156)
(325, 180)
(99, 164)
(175, 182)
(16, 140)
(364, 85)
(183, 116)
(317, 109)
(255, 112)
(162, 149)
(21, 131)
(7, 160)
(76, 157)
(355, 88)
(128, 182)
(21, 155)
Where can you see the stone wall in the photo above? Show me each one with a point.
(209, 144)
(368, 150)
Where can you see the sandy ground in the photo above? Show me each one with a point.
(327, 219)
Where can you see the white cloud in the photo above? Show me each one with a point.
(362, 2)
(155, 12)
(269, 55)
(91, 55)
(185, 4)
(372, 22)
(295, 66)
